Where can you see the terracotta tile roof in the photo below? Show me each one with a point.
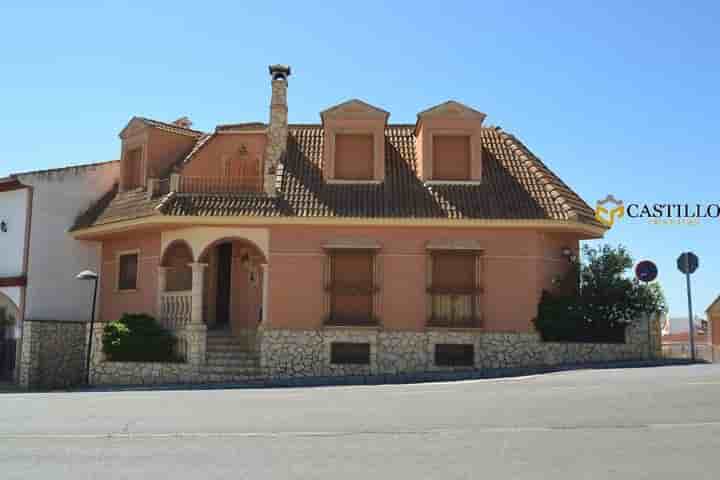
(516, 185)
(171, 127)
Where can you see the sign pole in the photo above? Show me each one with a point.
(690, 311)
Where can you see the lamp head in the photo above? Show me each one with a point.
(87, 275)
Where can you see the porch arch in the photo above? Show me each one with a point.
(200, 238)
(235, 284)
(176, 262)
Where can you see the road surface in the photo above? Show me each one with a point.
(650, 423)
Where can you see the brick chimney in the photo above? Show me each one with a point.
(278, 127)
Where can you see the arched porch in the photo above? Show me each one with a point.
(219, 284)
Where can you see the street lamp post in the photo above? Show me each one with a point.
(89, 275)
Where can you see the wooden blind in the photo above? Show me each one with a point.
(354, 157)
(453, 272)
(351, 287)
(451, 157)
(132, 168)
(127, 271)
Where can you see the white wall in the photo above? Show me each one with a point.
(55, 258)
(13, 210)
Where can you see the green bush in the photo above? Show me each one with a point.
(601, 304)
(137, 337)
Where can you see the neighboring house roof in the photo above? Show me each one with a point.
(684, 337)
(715, 303)
(63, 169)
(516, 185)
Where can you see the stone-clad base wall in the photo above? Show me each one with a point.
(52, 354)
(290, 353)
(306, 353)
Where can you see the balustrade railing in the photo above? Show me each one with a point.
(220, 184)
(175, 309)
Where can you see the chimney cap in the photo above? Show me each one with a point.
(279, 72)
(183, 122)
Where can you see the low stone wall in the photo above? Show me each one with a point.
(291, 353)
(52, 354)
(307, 353)
(106, 372)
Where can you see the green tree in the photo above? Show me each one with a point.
(604, 301)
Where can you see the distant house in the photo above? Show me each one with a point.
(713, 316)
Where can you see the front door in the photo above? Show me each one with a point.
(224, 271)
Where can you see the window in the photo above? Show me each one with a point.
(354, 157)
(454, 355)
(454, 288)
(350, 353)
(352, 288)
(178, 276)
(133, 168)
(451, 157)
(127, 271)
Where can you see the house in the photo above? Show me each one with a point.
(354, 245)
(38, 292)
(713, 318)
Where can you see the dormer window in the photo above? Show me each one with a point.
(452, 158)
(354, 142)
(449, 144)
(354, 155)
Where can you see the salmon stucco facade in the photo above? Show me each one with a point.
(351, 246)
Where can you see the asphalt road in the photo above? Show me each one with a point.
(654, 423)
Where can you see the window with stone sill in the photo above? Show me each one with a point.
(454, 288)
(127, 271)
(351, 288)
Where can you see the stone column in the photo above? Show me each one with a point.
(196, 332)
(265, 292)
(198, 282)
(162, 285)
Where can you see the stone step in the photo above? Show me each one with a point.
(227, 348)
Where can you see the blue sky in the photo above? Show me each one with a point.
(617, 98)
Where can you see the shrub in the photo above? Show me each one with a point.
(603, 302)
(138, 338)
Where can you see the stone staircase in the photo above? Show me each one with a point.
(230, 358)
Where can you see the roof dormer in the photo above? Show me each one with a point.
(449, 144)
(150, 147)
(354, 143)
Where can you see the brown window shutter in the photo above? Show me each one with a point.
(133, 164)
(451, 157)
(354, 157)
(453, 272)
(128, 269)
(352, 287)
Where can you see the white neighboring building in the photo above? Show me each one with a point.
(58, 197)
(14, 228)
(39, 259)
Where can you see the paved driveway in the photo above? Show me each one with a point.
(654, 423)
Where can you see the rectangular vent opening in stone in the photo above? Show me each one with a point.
(454, 355)
(350, 353)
